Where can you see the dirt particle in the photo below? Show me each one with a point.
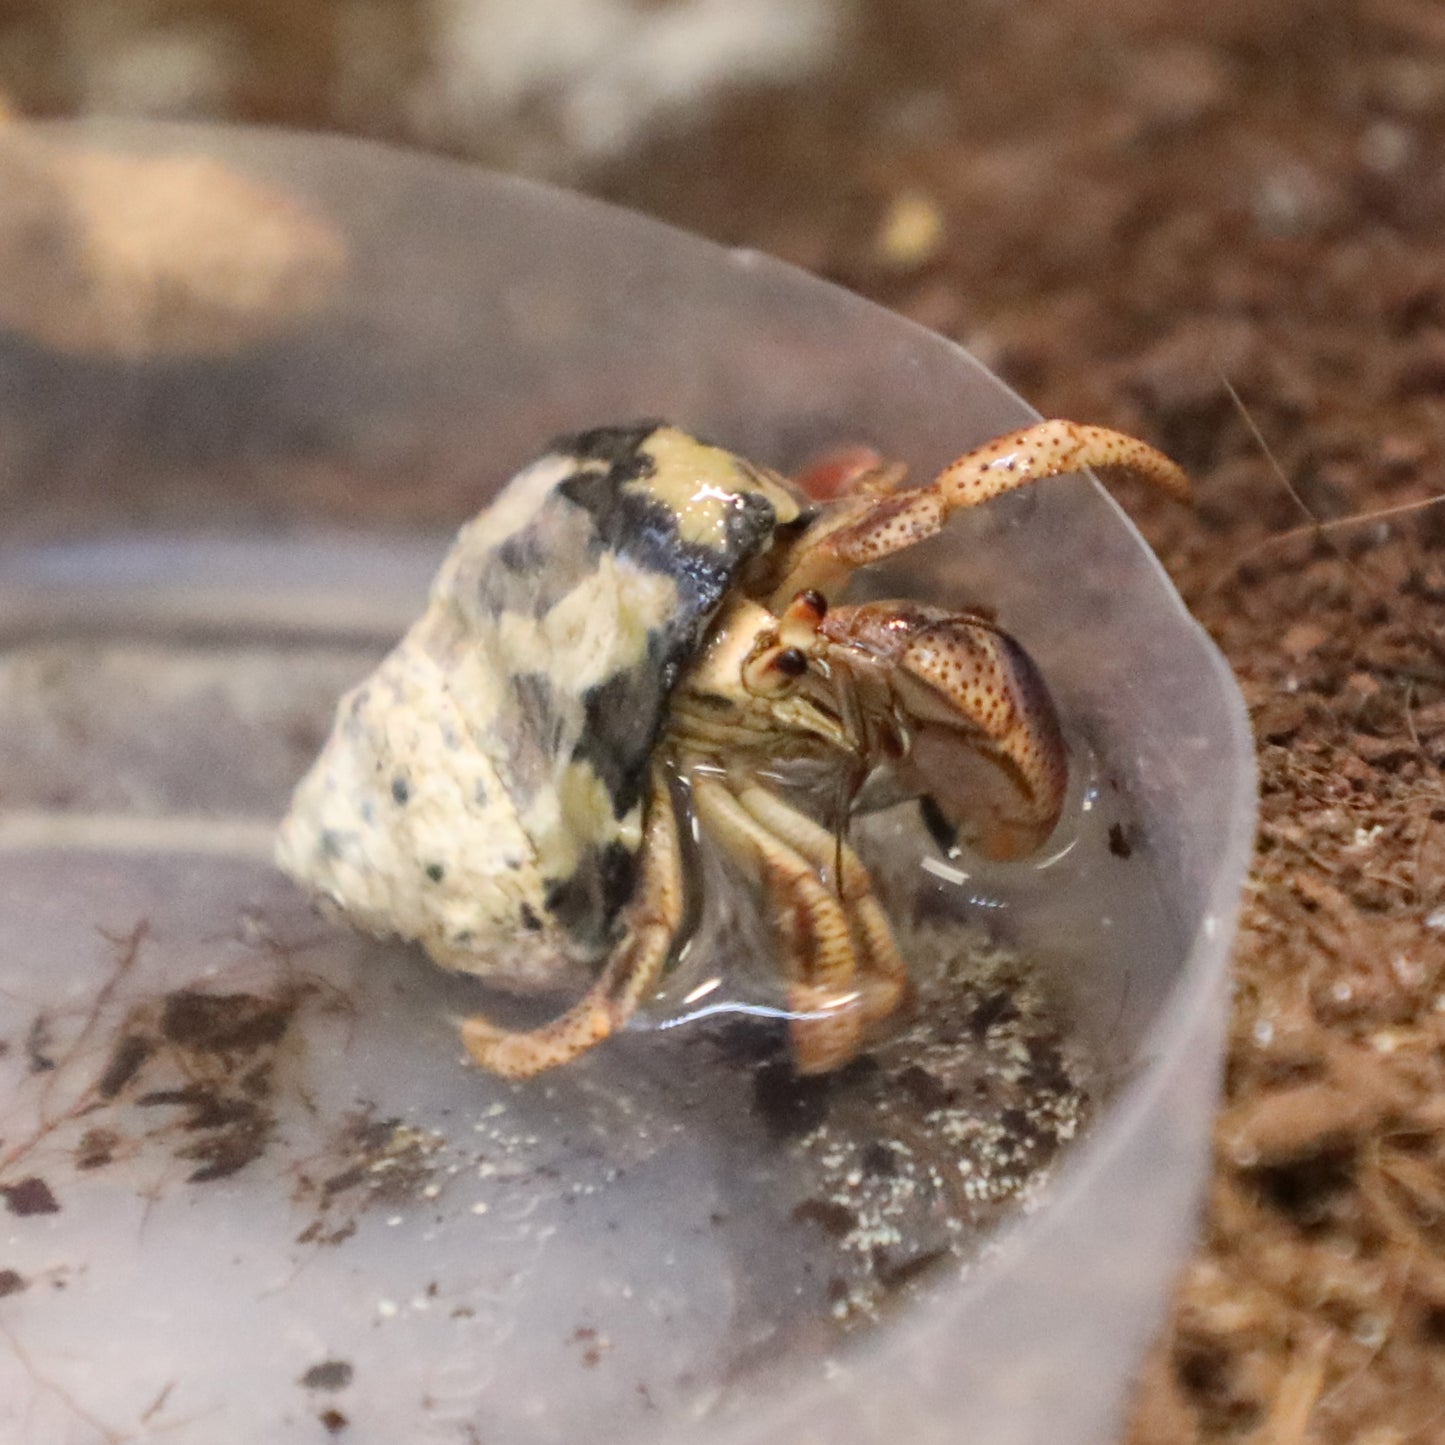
(595, 1344)
(318, 1234)
(256, 1083)
(1302, 639)
(38, 1043)
(879, 1160)
(894, 1274)
(340, 1183)
(125, 1063)
(227, 1154)
(237, 1129)
(224, 1022)
(1120, 844)
(923, 1088)
(834, 1219)
(789, 1104)
(96, 1148)
(1307, 1192)
(30, 1196)
(1281, 718)
(10, 1282)
(328, 1375)
(334, 1421)
(997, 1007)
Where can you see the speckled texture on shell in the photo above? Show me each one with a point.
(482, 792)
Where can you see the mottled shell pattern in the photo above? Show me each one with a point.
(482, 791)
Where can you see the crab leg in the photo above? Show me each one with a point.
(877, 525)
(824, 990)
(884, 979)
(655, 916)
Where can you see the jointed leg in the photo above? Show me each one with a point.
(884, 975)
(877, 526)
(824, 989)
(1052, 449)
(654, 917)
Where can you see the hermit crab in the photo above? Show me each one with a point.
(641, 618)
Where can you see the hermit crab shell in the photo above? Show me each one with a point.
(482, 792)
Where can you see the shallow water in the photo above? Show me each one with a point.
(296, 1209)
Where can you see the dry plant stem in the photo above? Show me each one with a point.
(129, 948)
(49, 1387)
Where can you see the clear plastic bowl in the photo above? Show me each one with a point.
(296, 1211)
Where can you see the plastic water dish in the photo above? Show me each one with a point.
(250, 1190)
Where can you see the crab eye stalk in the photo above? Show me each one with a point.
(772, 670)
(782, 654)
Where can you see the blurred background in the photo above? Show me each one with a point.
(1030, 178)
(1218, 225)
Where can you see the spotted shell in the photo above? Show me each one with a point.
(483, 791)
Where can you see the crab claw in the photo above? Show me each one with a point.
(986, 750)
(975, 731)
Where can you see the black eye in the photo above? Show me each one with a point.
(791, 662)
